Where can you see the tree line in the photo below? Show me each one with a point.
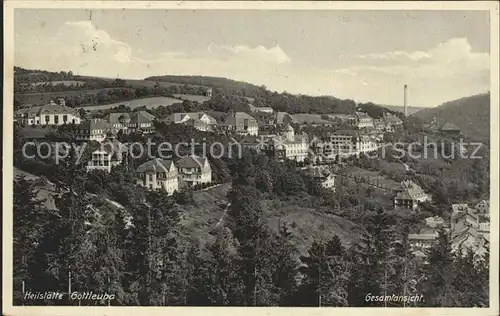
(141, 253)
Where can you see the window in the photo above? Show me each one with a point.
(65, 118)
(47, 118)
(150, 177)
(56, 119)
(106, 163)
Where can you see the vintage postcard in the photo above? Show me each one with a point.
(288, 158)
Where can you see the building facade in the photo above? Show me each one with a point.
(194, 170)
(110, 154)
(134, 122)
(158, 174)
(50, 114)
(92, 130)
(409, 196)
(199, 120)
(287, 145)
(241, 123)
(363, 120)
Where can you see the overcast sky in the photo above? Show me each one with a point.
(361, 55)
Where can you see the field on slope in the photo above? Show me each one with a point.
(45, 97)
(470, 114)
(192, 97)
(140, 83)
(150, 103)
(55, 83)
(305, 223)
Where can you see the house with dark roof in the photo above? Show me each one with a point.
(409, 196)
(50, 114)
(139, 121)
(241, 123)
(158, 174)
(92, 130)
(110, 154)
(363, 120)
(323, 175)
(283, 118)
(449, 128)
(194, 170)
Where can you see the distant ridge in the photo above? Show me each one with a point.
(470, 114)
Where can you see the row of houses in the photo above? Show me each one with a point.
(468, 230)
(155, 173)
(240, 123)
(169, 176)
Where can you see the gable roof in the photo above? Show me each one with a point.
(192, 161)
(95, 124)
(51, 108)
(410, 191)
(178, 117)
(138, 117)
(238, 118)
(155, 165)
(448, 126)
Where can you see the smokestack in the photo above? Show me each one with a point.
(406, 100)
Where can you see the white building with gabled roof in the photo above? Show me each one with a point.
(158, 174)
(109, 154)
(50, 114)
(194, 170)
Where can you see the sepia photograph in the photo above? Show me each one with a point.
(298, 155)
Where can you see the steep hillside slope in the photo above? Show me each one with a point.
(470, 114)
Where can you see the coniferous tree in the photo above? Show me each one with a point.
(225, 287)
(325, 273)
(30, 219)
(438, 275)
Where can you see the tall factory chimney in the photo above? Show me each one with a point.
(406, 100)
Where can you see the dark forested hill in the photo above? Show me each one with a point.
(470, 114)
(284, 102)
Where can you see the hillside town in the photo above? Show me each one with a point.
(169, 155)
(318, 155)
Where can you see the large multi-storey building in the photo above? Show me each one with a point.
(158, 174)
(287, 145)
(346, 143)
(363, 120)
(194, 170)
(50, 114)
(92, 130)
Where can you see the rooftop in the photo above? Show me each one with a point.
(155, 165)
(192, 161)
